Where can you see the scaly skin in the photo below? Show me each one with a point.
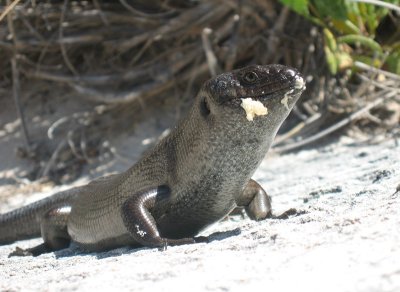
(194, 177)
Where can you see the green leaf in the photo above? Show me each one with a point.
(363, 40)
(330, 40)
(334, 8)
(345, 27)
(393, 62)
(331, 60)
(299, 6)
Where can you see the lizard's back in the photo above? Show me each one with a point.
(95, 221)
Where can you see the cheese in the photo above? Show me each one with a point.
(253, 108)
(284, 101)
(299, 83)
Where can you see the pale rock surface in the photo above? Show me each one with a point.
(346, 237)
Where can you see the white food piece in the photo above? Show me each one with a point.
(284, 101)
(253, 108)
(299, 83)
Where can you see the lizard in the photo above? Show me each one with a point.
(192, 178)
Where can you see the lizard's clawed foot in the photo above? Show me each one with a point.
(20, 252)
(201, 239)
(34, 251)
(174, 242)
(288, 213)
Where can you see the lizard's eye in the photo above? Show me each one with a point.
(250, 77)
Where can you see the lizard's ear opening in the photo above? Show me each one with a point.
(204, 107)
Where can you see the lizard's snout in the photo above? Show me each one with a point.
(257, 89)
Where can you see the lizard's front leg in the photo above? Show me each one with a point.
(257, 203)
(137, 217)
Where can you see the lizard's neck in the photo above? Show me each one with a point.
(228, 150)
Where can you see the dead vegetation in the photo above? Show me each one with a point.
(122, 55)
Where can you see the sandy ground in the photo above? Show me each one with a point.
(346, 238)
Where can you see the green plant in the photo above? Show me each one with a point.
(351, 31)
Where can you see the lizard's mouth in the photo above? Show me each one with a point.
(257, 105)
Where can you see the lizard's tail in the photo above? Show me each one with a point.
(24, 223)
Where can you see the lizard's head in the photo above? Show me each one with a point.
(253, 95)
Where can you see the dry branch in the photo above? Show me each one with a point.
(118, 53)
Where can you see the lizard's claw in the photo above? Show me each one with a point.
(20, 252)
(201, 239)
(288, 213)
